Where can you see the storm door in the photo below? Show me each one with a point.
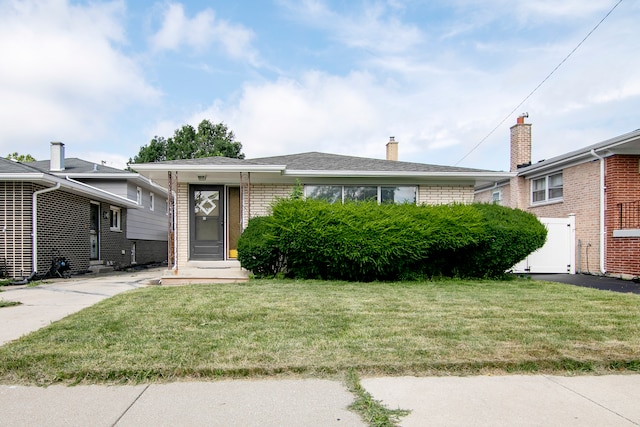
(94, 231)
(206, 234)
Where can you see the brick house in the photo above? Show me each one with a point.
(598, 185)
(95, 216)
(216, 196)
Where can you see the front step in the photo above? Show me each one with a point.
(98, 267)
(195, 272)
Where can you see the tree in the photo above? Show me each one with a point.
(188, 143)
(21, 157)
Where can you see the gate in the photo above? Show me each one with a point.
(558, 253)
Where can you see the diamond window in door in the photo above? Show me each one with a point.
(207, 214)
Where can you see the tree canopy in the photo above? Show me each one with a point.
(21, 157)
(207, 140)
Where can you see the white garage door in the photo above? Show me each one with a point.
(558, 253)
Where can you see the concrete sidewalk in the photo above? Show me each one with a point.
(224, 403)
(434, 401)
(518, 400)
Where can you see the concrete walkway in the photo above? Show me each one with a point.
(434, 401)
(517, 400)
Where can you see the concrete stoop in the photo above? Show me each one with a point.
(206, 272)
(98, 267)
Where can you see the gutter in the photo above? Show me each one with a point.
(602, 230)
(34, 226)
(399, 174)
(110, 197)
(146, 167)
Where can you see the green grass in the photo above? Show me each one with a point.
(315, 328)
(4, 303)
(372, 411)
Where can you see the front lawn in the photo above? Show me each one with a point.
(318, 328)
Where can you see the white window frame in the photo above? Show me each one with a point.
(496, 197)
(379, 188)
(139, 196)
(115, 218)
(152, 201)
(547, 189)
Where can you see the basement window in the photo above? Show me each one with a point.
(547, 189)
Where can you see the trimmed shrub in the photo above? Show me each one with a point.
(510, 235)
(257, 251)
(366, 241)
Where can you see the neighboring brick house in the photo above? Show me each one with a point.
(599, 185)
(50, 209)
(216, 196)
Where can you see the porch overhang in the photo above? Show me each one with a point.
(157, 173)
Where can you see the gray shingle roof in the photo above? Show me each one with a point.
(334, 162)
(11, 167)
(315, 161)
(216, 160)
(74, 165)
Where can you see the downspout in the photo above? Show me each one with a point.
(34, 226)
(602, 231)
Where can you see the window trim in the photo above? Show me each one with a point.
(379, 188)
(498, 200)
(547, 188)
(139, 196)
(152, 201)
(115, 217)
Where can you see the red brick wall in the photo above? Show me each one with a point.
(622, 180)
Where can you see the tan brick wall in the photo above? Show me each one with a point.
(581, 197)
(486, 196)
(182, 224)
(520, 145)
(622, 180)
(263, 196)
(444, 194)
(483, 196)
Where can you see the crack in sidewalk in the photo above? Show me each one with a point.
(590, 400)
(131, 405)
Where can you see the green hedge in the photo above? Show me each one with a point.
(366, 241)
(510, 235)
(257, 251)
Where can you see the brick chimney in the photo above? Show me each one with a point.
(392, 149)
(520, 143)
(56, 164)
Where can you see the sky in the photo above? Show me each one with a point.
(286, 76)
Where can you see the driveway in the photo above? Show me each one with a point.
(55, 299)
(590, 281)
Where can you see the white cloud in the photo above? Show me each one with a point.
(63, 74)
(201, 32)
(375, 27)
(440, 102)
